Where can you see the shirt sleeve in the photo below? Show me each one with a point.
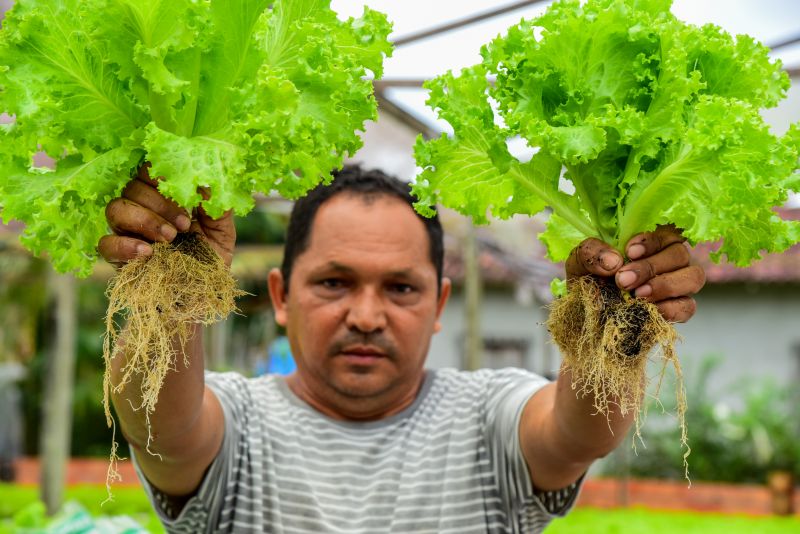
(202, 511)
(508, 391)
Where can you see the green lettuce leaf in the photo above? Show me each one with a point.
(64, 217)
(233, 97)
(473, 172)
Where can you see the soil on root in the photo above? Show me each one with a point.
(607, 338)
(158, 299)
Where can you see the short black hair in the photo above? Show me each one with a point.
(367, 184)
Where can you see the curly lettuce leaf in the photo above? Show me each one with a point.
(560, 238)
(473, 172)
(64, 218)
(75, 109)
(232, 97)
(326, 62)
(653, 120)
(56, 81)
(721, 180)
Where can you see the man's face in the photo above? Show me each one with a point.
(361, 307)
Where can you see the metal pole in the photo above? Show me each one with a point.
(59, 384)
(431, 32)
(473, 297)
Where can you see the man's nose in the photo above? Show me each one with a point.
(367, 311)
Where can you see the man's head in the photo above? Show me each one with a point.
(360, 294)
(368, 185)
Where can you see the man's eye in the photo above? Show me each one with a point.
(332, 283)
(403, 289)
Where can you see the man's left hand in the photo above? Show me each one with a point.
(659, 271)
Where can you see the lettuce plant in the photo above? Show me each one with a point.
(235, 97)
(636, 119)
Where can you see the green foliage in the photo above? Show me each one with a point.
(260, 227)
(20, 506)
(728, 444)
(235, 97)
(643, 521)
(654, 120)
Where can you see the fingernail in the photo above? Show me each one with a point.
(636, 251)
(626, 278)
(644, 291)
(168, 231)
(144, 250)
(182, 222)
(610, 261)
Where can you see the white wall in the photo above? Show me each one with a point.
(756, 330)
(388, 146)
(502, 317)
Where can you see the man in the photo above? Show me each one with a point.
(361, 438)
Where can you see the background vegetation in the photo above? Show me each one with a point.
(737, 433)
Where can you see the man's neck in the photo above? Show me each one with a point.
(347, 408)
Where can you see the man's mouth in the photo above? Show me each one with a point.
(362, 354)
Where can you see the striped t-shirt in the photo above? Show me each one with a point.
(450, 462)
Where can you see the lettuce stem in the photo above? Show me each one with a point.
(189, 110)
(638, 217)
(572, 216)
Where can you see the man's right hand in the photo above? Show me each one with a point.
(142, 215)
(175, 444)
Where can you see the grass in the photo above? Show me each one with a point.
(130, 501)
(645, 521)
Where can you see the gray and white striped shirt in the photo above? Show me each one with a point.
(450, 462)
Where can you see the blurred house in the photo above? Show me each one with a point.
(748, 316)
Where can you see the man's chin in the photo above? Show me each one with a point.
(361, 385)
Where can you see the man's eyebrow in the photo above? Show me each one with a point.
(332, 266)
(335, 266)
(403, 273)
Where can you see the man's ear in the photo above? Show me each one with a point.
(277, 293)
(444, 294)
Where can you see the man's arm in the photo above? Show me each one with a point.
(560, 433)
(186, 429)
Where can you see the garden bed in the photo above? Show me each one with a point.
(79, 471)
(132, 502)
(750, 499)
(726, 498)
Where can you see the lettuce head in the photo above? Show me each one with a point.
(636, 120)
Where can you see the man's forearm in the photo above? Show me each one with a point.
(585, 433)
(179, 403)
(561, 434)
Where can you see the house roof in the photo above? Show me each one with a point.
(502, 265)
